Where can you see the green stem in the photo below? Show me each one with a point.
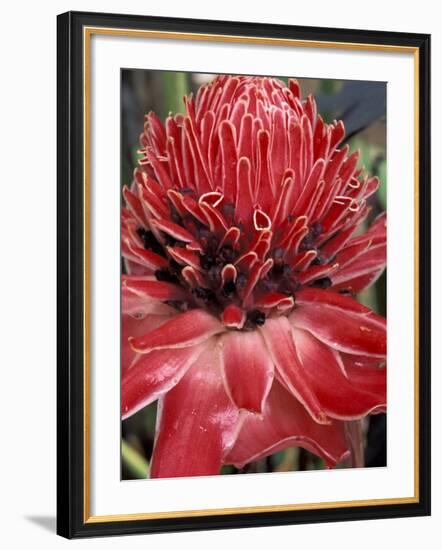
(133, 461)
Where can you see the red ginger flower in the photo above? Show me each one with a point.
(241, 260)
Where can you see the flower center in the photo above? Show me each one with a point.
(220, 270)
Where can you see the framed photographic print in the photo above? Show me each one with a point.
(243, 274)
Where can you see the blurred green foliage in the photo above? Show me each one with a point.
(175, 86)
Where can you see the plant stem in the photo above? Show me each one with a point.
(134, 462)
(353, 431)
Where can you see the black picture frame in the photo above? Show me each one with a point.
(71, 520)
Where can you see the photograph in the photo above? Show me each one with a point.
(253, 274)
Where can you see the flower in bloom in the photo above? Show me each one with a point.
(243, 251)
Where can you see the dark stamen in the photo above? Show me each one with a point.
(215, 273)
(255, 318)
(345, 292)
(174, 214)
(316, 229)
(205, 294)
(269, 284)
(228, 210)
(325, 282)
(278, 254)
(207, 262)
(289, 286)
(229, 289)
(180, 305)
(175, 267)
(150, 242)
(226, 254)
(165, 275)
(280, 270)
(171, 241)
(319, 260)
(307, 243)
(241, 280)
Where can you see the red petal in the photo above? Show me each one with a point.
(278, 335)
(229, 159)
(362, 271)
(317, 296)
(278, 147)
(307, 145)
(184, 256)
(367, 373)
(275, 299)
(343, 330)
(152, 205)
(244, 195)
(317, 272)
(263, 185)
(186, 329)
(285, 423)
(131, 326)
(338, 132)
(153, 375)
(134, 205)
(245, 146)
(160, 169)
(231, 238)
(257, 272)
(309, 187)
(295, 88)
(364, 258)
(147, 289)
(197, 423)
(248, 369)
(147, 258)
(233, 316)
(215, 219)
(139, 306)
(201, 174)
(338, 395)
(283, 198)
(193, 277)
(228, 273)
(174, 230)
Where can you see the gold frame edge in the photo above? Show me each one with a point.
(87, 33)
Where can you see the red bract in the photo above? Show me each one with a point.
(238, 312)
